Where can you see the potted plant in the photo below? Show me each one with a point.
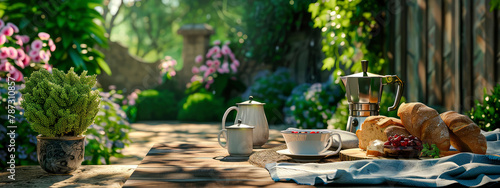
(60, 107)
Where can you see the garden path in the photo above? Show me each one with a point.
(145, 134)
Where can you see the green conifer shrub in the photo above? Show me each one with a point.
(58, 104)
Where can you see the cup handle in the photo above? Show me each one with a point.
(218, 137)
(225, 116)
(330, 142)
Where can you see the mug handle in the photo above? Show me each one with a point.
(225, 116)
(218, 137)
(330, 142)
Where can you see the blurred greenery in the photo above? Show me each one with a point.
(487, 114)
(495, 4)
(350, 34)
(156, 105)
(201, 106)
(269, 27)
(273, 89)
(74, 26)
(149, 28)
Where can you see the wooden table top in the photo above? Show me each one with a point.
(202, 164)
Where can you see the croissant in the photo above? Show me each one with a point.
(465, 135)
(425, 123)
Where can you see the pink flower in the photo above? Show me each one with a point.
(3, 39)
(12, 53)
(34, 53)
(217, 55)
(207, 86)
(195, 78)
(52, 46)
(5, 65)
(25, 38)
(208, 72)
(234, 68)
(43, 56)
(1, 23)
(8, 31)
(26, 61)
(19, 40)
(16, 74)
(209, 63)
(236, 63)
(203, 68)
(4, 52)
(198, 59)
(210, 81)
(131, 102)
(37, 59)
(217, 42)
(225, 50)
(133, 95)
(164, 65)
(225, 67)
(48, 67)
(43, 35)
(20, 54)
(216, 63)
(37, 45)
(124, 102)
(231, 55)
(14, 27)
(172, 73)
(19, 63)
(195, 70)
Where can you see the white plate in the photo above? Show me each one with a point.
(306, 157)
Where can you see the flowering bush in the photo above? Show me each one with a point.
(18, 56)
(167, 68)
(272, 89)
(487, 114)
(109, 133)
(311, 106)
(220, 65)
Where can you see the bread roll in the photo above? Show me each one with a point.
(379, 128)
(425, 123)
(465, 135)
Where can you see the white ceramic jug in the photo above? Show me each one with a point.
(238, 139)
(251, 113)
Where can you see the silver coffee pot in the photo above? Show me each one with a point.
(364, 91)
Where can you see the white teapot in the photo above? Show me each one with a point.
(251, 113)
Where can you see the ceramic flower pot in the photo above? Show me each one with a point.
(60, 155)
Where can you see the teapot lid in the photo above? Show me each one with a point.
(364, 74)
(250, 102)
(240, 126)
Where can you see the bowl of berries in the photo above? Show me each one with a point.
(401, 146)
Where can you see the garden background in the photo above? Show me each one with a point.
(190, 60)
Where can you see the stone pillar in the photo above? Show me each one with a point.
(196, 42)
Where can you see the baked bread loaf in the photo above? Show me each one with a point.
(425, 123)
(379, 128)
(465, 135)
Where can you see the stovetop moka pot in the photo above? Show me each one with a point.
(364, 91)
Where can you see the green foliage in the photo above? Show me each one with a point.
(273, 89)
(495, 4)
(59, 104)
(73, 25)
(311, 106)
(487, 114)
(270, 24)
(432, 151)
(108, 135)
(156, 105)
(350, 33)
(201, 106)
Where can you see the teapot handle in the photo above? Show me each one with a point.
(225, 115)
(391, 80)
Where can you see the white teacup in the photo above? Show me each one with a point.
(310, 141)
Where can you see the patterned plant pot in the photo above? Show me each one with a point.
(60, 155)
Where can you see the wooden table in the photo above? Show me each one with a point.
(203, 164)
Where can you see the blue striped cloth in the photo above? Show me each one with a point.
(466, 169)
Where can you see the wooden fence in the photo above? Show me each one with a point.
(446, 51)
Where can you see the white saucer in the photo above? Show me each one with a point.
(306, 157)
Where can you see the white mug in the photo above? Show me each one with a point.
(239, 142)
